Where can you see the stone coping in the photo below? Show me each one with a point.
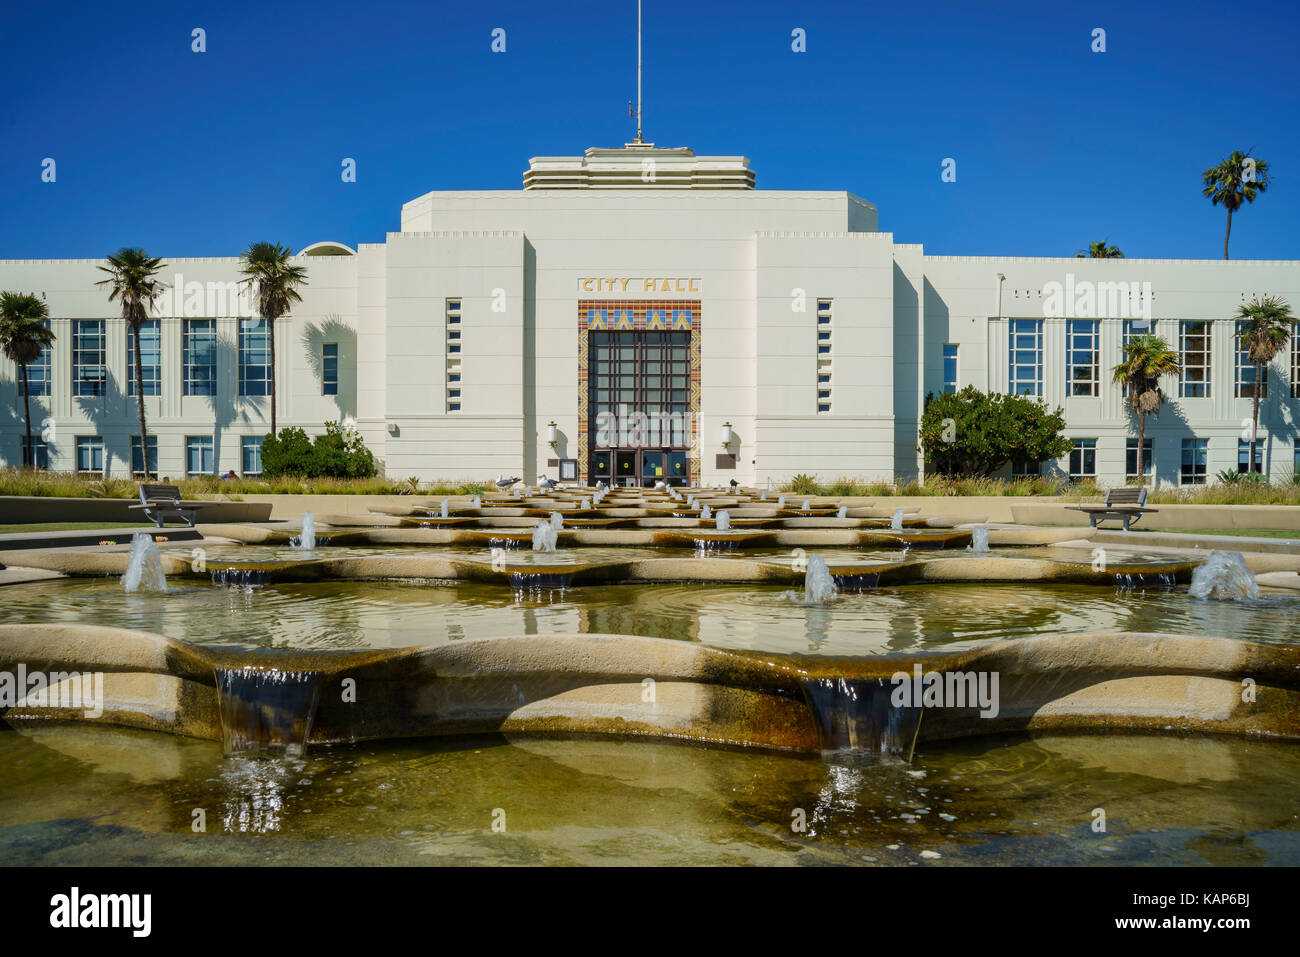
(932, 567)
(597, 684)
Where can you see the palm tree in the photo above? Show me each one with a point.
(1099, 251)
(1146, 359)
(1268, 329)
(275, 281)
(1237, 179)
(133, 279)
(23, 334)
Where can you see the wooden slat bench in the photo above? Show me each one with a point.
(1126, 504)
(161, 502)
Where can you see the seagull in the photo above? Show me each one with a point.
(735, 484)
(546, 483)
(504, 483)
(660, 485)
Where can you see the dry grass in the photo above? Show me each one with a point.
(1219, 493)
(34, 482)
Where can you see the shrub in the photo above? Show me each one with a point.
(803, 485)
(340, 453)
(975, 433)
(287, 454)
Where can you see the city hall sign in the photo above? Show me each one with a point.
(639, 285)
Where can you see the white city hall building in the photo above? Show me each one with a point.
(644, 313)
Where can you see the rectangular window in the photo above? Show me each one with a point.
(1025, 357)
(38, 372)
(1295, 367)
(198, 455)
(1023, 469)
(137, 466)
(90, 453)
(250, 457)
(950, 367)
(1131, 459)
(1083, 461)
(1243, 456)
(329, 368)
(453, 315)
(1082, 357)
(1194, 351)
(1244, 374)
(89, 368)
(38, 453)
(825, 351)
(1195, 454)
(199, 356)
(1132, 329)
(150, 357)
(254, 357)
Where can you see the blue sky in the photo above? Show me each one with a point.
(199, 154)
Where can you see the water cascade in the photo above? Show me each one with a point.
(557, 521)
(144, 572)
(476, 501)
(305, 540)
(807, 504)
(586, 504)
(443, 508)
(818, 583)
(1224, 575)
(979, 539)
(265, 711)
(843, 512)
(724, 520)
(857, 713)
(896, 523)
(706, 513)
(780, 501)
(544, 537)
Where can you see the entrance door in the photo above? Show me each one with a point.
(640, 407)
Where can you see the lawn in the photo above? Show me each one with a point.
(66, 527)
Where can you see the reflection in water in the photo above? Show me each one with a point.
(72, 795)
(935, 616)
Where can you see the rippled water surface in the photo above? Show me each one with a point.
(93, 795)
(873, 621)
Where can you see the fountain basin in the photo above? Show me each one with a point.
(593, 684)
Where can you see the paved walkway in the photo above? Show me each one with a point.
(93, 536)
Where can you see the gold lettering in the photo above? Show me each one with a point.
(693, 287)
(586, 284)
(624, 283)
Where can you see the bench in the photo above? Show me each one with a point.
(1127, 504)
(161, 502)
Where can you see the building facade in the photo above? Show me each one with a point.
(641, 313)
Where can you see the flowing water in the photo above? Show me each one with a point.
(85, 795)
(144, 571)
(376, 614)
(979, 539)
(305, 540)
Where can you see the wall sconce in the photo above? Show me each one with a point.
(726, 435)
(392, 428)
(552, 434)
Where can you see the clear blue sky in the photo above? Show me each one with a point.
(198, 154)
